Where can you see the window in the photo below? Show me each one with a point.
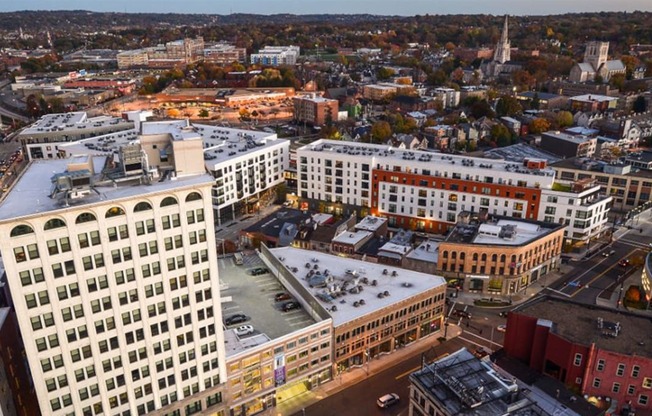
(21, 230)
(596, 382)
(142, 206)
(615, 387)
(642, 400)
(54, 223)
(647, 383)
(578, 360)
(114, 212)
(193, 196)
(85, 217)
(600, 365)
(621, 370)
(168, 201)
(635, 370)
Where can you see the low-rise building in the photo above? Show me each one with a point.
(602, 353)
(566, 145)
(593, 102)
(224, 54)
(315, 110)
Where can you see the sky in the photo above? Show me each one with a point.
(379, 7)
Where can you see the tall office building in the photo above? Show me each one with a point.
(110, 268)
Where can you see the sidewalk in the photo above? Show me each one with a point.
(356, 375)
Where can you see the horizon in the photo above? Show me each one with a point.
(372, 7)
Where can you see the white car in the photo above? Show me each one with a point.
(501, 328)
(244, 330)
(387, 400)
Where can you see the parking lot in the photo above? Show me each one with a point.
(254, 296)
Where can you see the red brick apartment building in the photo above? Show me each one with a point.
(603, 354)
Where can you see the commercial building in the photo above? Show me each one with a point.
(593, 102)
(225, 54)
(42, 139)
(175, 53)
(115, 289)
(245, 164)
(276, 56)
(462, 384)
(602, 353)
(315, 110)
(627, 186)
(567, 145)
(498, 255)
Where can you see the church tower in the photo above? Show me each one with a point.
(596, 53)
(502, 52)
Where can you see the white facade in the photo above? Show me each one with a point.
(449, 97)
(276, 55)
(584, 213)
(116, 294)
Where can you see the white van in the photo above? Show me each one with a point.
(239, 260)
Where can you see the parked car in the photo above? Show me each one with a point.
(481, 352)
(282, 296)
(258, 271)
(238, 318)
(387, 400)
(244, 330)
(501, 328)
(608, 253)
(290, 306)
(462, 314)
(624, 263)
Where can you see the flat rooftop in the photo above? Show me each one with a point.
(73, 121)
(370, 223)
(349, 237)
(579, 324)
(347, 275)
(466, 385)
(572, 138)
(500, 231)
(517, 153)
(427, 251)
(386, 153)
(34, 186)
(220, 143)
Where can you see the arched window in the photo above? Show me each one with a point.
(462, 255)
(513, 258)
(494, 257)
(445, 254)
(193, 196)
(21, 230)
(85, 217)
(503, 258)
(484, 257)
(168, 201)
(54, 223)
(453, 255)
(114, 212)
(475, 256)
(142, 206)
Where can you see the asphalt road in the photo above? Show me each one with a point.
(585, 280)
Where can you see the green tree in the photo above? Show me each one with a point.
(384, 73)
(508, 106)
(381, 131)
(203, 113)
(482, 109)
(535, 103)
(501, 135)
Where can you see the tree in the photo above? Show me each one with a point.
(482, 109)
(381, 131)
(501, 135)
(564, 119)
(535, 103)
(633, 294)
(617, 81)
(173, 112)
(203, 113)
(384, 73)
(640, 105)
(539, 125)
(508, 106)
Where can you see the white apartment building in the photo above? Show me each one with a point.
(449, 97)
(416, 189)
(582, 208)
(110, 265)
(42, 139)
(246, 165)
(276, 55)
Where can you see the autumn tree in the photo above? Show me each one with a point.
(564, 119)
(539, 125)
(203, 113)
(173, 113)
(381, 131)
(501, 135)
(508, 106)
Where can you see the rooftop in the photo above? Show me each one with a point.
(573, 138)
(349, 237)
(519, 152)
(503, 231)
(427, 251)
(370, 223)
(383, 153)
(588, 98)
(466, 385)
(220, 143)
(35, 186)
(349, 289)
(580, 324)
(74, 121)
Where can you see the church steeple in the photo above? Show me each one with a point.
(502, 53)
